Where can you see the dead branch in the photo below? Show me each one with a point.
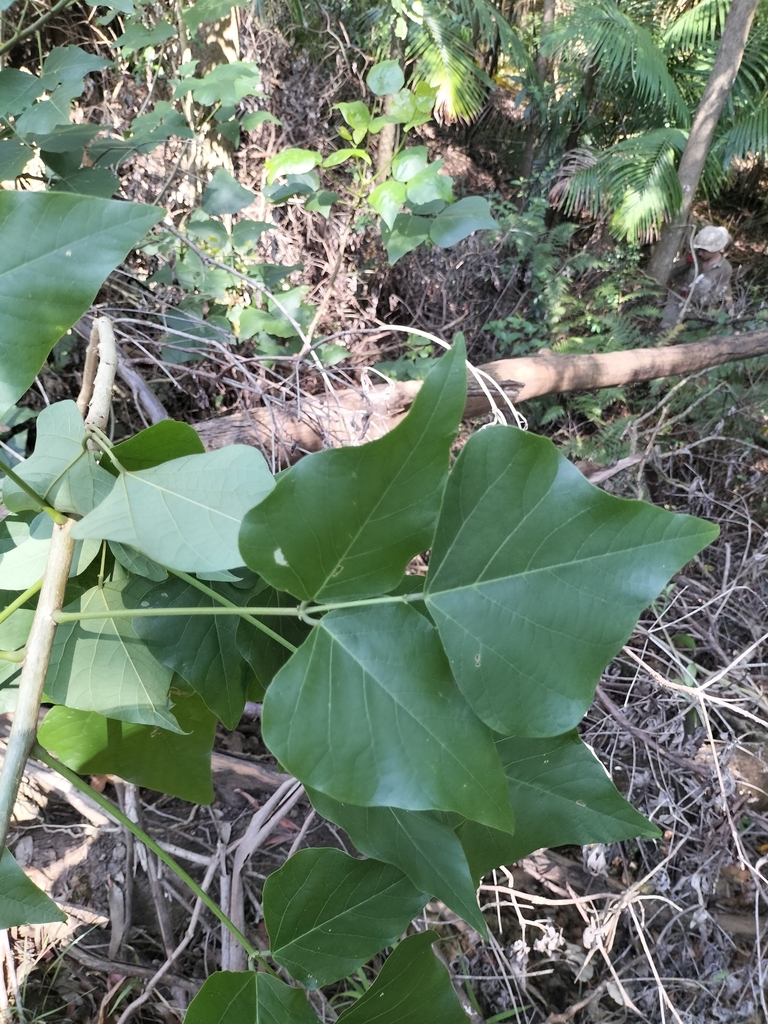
(353, 417)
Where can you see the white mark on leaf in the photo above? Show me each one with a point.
(478, 659)
(279, 557)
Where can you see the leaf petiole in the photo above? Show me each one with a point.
(57, 517)
(6, 613)
(301, 611)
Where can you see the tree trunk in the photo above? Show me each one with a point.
(718, 89)
(352, 417)
(543, 71)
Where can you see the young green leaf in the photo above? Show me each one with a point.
(387, 198)
(413, 987)
(327, 913)
(342, 155)
(367, 712)
(537, 578)
(344, 523)
(186, 513)
(473, 213)
(136, 563)
(406, 234)
(385, 78)
(228, 997)
(203, 651)
(422, 844)
(101, 665)
(21, 902)
(409, 162)
(291, 161)
(225, 195)
(61, 470)
(57, 251)
(178, 764)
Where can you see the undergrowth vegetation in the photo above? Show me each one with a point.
(273, 214)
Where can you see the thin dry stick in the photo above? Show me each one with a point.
(89, 371)
(101, 401)
(155, 980)
(263, 823)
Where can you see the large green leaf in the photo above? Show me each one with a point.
(203, 651)
(265, 655)
(169, 762)
(157, 444)
(367, 712)
(61, 470)
(21, 902)
(473, 213)
(24, 545)
(228, 997)
(327, 913)
(101, 665)
(413, 987)
(560, 794)
(345, 522)
(385, 78)
(421, 843)
(57, 251)
(186, 513)
(537, 578)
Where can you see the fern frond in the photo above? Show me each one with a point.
(599, 34)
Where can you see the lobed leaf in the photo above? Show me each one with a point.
(57, 251)
(229, 997)
(413, 987)
(367, 712)
(537, 578)
(101, 665)
(344, 523)
(327, 913)
(61, 469)
(186, 513)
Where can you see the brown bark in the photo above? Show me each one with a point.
(729, 55)
(354, 417)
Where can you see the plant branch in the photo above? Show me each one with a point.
(115, 812)
(32, 677)
(57, 517)
(89, 371)
(30, 30)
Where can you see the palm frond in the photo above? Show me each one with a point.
(746, 138)
(487, 23)
(577, 188)
(752, 79)
(599, 34)
(445, 60)
(640, 177)
(697, 26)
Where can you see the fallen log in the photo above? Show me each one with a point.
(354, 416)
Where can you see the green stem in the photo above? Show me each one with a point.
(6, 613)
(14, 656)
(38, 23)
(57, 517)
(300, 611)
(210, 592)
(141, 835)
